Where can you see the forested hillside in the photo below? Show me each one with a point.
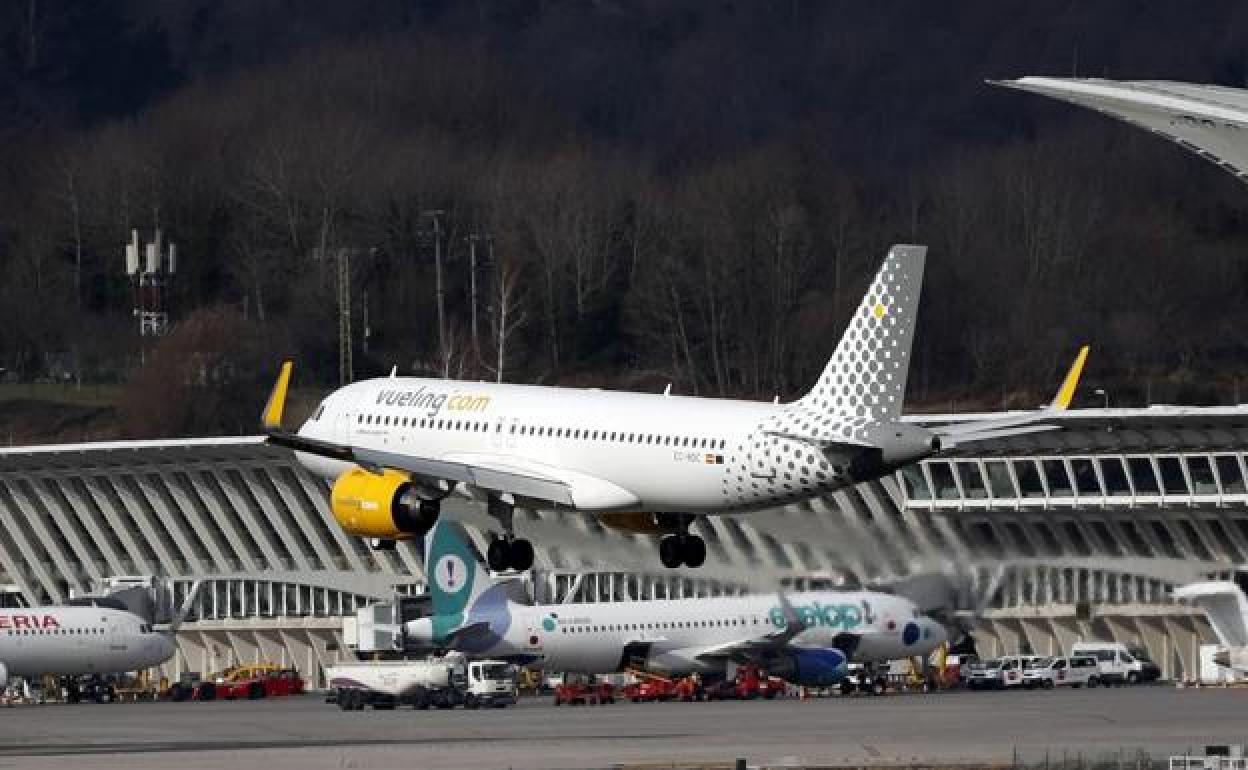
(657, 191)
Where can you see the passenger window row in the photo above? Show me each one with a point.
(53, 631)
(1056, 477)
(660, 626)
(544, 431)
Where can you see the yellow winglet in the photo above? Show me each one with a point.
(271, 417)
(1066, 393)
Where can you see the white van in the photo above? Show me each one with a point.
(1116, 663)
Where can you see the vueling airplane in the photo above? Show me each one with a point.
(807, 638)
(77, 640)
(394, 447)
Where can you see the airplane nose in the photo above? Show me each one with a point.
(165, 646)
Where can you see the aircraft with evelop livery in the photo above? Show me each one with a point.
(806, 638)
(394, 447)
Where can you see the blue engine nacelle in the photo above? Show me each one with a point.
(817, 667)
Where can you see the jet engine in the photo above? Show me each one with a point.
(382, 505)
(817, 667)
(641, 523)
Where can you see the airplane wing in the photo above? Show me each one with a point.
(484, 472)
(760, 646)
(1017, 425)
(483, 475)
(472, 631)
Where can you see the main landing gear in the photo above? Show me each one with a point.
(507, 551)
(682, 548)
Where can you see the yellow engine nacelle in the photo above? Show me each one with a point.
(380, 505)
(641, 523)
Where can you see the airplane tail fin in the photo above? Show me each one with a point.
(456, 572)
(866, 376)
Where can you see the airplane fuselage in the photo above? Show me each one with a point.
(618, 451)
(675, 635)
(78, 640)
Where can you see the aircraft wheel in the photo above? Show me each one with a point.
(693, 550)
(670, 551)
(498, 555)
(521, 553)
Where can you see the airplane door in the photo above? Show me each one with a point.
(498, 433)
(634, 655)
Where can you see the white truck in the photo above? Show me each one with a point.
(440, 682)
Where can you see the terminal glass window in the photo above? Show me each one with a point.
(1076, 538)
(1085, 477)
(1059, 480)
(942, 480)
(972, 480)
(984, 535)
(999, 479)
(1051, 542)
(1142, 476)
(1161, 533)
(1172, 478)
(1136, 538)
(1230, 475)
(915, 484)
(1028, 478)
(1201, 472)
(1194, 539)
(1108, 541)
(1020, 538)
(1115, 476)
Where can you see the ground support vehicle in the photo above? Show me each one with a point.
(862, 678)
(650, 688)
(582, 690)
(260, 680)
(439, 682)
(88, 687)
(1000, 674)
(186, 687)
(1117, 664)
(749, 683)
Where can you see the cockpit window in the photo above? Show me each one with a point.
(320, 410)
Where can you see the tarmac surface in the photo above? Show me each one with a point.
(945, 728)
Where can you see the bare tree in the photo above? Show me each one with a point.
(508, 315)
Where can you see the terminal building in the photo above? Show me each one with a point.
(1077, 534)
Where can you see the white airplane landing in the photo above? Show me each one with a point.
(394, 447)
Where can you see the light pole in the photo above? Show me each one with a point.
(1104, 394)
(437, 277)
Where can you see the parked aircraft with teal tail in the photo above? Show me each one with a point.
(808, 638)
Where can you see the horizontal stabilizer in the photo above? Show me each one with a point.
(1037, 421)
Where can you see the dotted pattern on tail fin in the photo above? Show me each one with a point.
(866, 376)
(863, 384)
